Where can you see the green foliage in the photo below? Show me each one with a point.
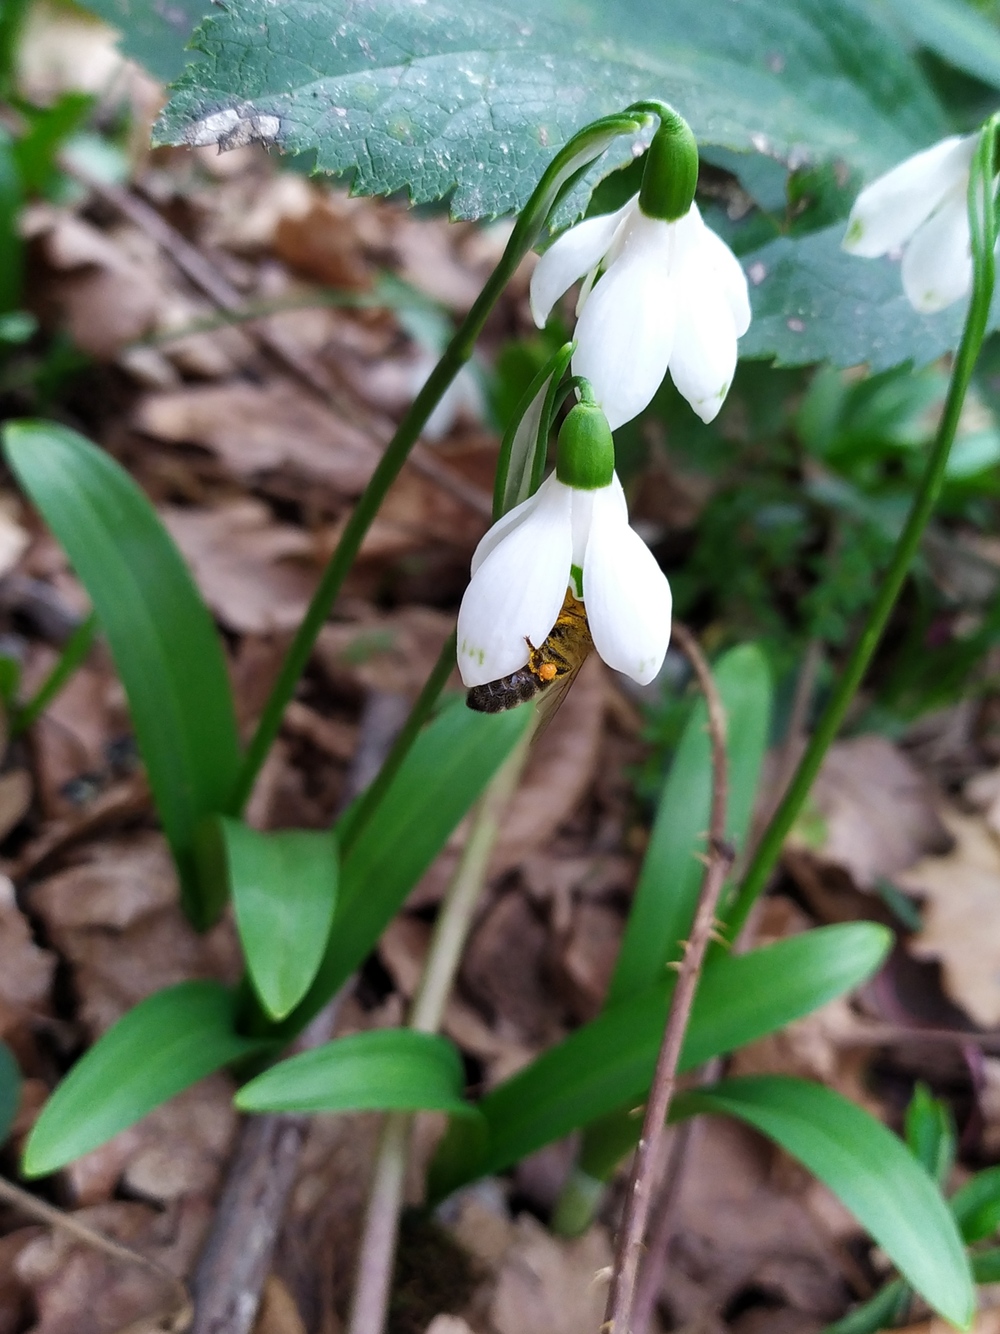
(867, 1167)
(393, 1068)
(163, 640)
(153, 34)
(10, 1090)
(445, 772)
(610, 1060)
(162, 1046)
(284, 889)
(11, 249)
(665, 896)
(954, 31)
(930, 1133)
(447, 97)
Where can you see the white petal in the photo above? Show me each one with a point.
(703, 359)
(504, 525)
(517, 590)
(626, 594)
(887, 212)
(626, 331)
(729, 272)
(937, 264)
(569, 257)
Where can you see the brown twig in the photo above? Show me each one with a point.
(631, 1234)
(177, 1314)
(310, 372)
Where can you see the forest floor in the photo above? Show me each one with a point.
(254, 437)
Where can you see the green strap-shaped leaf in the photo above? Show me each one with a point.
(284, 888)
(448, 96)
(868, 1168)
(10, 1090)
(451, 762)
(610, 1060)
(162, 1046)
(955, 31)
(11, 245)
(663, 908)
(389, 1069)
(163, 640)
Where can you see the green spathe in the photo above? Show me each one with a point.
(670, 175)
(585, 450)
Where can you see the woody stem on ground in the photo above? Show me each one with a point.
(645, 1165)
(982, 217)
(378, 1239)
(559, 178)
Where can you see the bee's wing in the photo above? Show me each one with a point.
(552, 696)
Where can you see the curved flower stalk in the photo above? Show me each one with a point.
(921, 207)
(573, 532)
(658, 295)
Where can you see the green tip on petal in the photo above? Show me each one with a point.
(671, 171)
(585, 451)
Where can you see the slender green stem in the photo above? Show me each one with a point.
(559, 178)
(378, 1241)
(982, 216)
(75, 650)
(356, 817)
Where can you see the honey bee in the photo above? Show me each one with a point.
(550, 669)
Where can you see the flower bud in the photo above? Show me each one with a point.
(671, 171)
(585, 450)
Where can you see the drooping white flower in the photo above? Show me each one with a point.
(921, 207)
(523, 566)
(657, 295)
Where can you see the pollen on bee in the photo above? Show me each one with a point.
(547, 671)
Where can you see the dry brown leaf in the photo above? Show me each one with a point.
(547, 1286)
(391, 652)
(255, 574)
(15, 798)
(743, 1227)
(961, 893)
(587, 957)
(321, 243)
(114, 916)
(261, 428)
(278, 1313)
(78, 1289)
(504, 971)
(877, 809)
(26, 971)
(449, 1324)
(985, 1322)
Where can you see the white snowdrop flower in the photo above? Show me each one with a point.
(573, 532)
(921, 207)
(657, 295)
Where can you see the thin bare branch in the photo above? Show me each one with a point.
(631, 1234)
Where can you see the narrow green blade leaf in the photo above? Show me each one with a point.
(868, 1168)
(163, 640)
(882, 1311)
(10, 1090)
(162, 1046)
(955, 31)
(609, 1062)
(392, 1068)
(284, 888)
(976, 1205)
(450, 764)
(11, 246)
(665, 897)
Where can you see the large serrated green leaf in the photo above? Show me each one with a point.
(390, 1069)
(868, 1167)
(813, 302)
(447, 98)
(164, 643)
(610, 1060)
(155, 34)
(162, 1046)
